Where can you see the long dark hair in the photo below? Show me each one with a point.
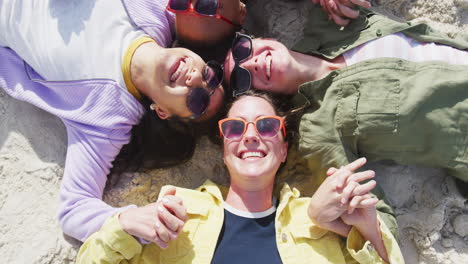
(156, 143)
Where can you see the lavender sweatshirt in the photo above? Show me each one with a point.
(98, 116)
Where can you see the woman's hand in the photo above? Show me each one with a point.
(341, 11)
(340, 190)
(362, 214)
(361, 211)
(361, 218)
(157, 222)
(366, 222)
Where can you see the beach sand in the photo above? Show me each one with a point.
(432, 216)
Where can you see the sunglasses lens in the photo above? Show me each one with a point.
(197, 101)
(241, 48)
(268, 127)
(179, 5)
(232, 129)
(207, 7)
(213, 74)
(240, 81)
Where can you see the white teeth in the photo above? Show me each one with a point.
(251, 154)
(176, 74)
(268, 66)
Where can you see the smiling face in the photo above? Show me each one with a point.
(177, 72)
(270, 66)
(253, 161)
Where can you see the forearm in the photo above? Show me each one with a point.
(385, 211)
(372, 233)
(82, 216)
(81, 210)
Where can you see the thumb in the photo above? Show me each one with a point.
(170, 191)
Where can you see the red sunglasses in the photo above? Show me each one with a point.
(266, 127)
(202, 8)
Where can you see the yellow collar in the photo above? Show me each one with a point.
(127, 59)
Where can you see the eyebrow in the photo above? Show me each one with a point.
(257, 117)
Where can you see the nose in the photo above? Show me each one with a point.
(194, 78)
(251, 64)
(250, 135)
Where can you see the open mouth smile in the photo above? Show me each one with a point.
(178, 69)
(268, 66)
(251, 155)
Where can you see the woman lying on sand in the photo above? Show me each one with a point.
(250, 222)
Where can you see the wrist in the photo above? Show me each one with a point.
(337, 226)
(123, 221)
(374, 236)
(370, 232)
(341, 228)
(369, 228)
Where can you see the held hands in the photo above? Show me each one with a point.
(158, 222)
(363, 217)
(341, 201)
(359, 217)
(342, 10)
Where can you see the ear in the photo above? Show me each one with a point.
(284, 151)
(161, 112)
(243, 13)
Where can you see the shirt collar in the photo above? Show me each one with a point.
(126, 62)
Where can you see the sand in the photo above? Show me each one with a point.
(432, 216)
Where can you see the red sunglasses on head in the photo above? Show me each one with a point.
(202, 8)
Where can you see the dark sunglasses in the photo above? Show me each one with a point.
(266, 127)
(241, 79)
(198, 98)
(202, 7)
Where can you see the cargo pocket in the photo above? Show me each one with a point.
(368, 107)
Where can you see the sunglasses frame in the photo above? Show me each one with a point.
(222, 121)
(191, 9)
(237, 63)
(210, 93)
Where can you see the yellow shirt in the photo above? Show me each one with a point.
(298, 239)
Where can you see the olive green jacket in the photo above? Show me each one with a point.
(324, 38)
(411, 113)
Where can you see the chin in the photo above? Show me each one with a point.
(253, 175)
(254, 172)
(252, 169)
